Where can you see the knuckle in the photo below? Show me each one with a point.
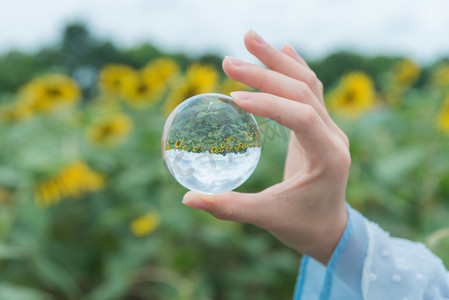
(341, 161)
(312, 77)
(315, 83)
(320, 86)
(345, 139)
(226, 214)
(346, 160)
(302, 89)
(308, 116)
(261, 77)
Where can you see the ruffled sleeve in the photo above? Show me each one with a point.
(369, 264)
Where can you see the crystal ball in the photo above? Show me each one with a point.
(210, 145)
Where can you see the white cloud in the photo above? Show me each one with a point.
(403, 27)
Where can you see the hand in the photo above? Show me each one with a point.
(306, 211)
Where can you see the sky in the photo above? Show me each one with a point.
(417, 29)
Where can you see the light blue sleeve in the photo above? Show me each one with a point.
(369, 264)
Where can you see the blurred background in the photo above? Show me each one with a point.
(87, 209)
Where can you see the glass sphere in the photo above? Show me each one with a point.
(210, 145)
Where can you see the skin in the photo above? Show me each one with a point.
(306, 211)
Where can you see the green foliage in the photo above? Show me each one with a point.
(212, 125)
(84, 248)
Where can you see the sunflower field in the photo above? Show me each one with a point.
(88, 210)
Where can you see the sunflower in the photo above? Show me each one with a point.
(250, 137)
(443, 116)
(198, 79)
(228, 85)
(441, 76)
(15, 112)
(159, 73)
(5, 196)
(48, 92)
(73, 181)
(137, 91)
(145, 224)
(147, 86)
(178, 143)
(111, 78)
(110, 131)
(353, 96)
(406, 72)
(214, 150)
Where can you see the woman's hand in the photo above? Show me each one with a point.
(306, 211)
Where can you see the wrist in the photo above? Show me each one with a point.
(316, 236)
(325, 235)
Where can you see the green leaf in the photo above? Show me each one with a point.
(438, 242)
(55, 276)
(112, 288)
(201, 115)
(9, 291)
(9, 176)
(11, 252)
(394, 166)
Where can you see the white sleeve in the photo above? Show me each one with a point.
(400, 269)
(369, 264)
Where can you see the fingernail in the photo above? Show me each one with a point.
(192, 201)
(234, 61)
(241, 95)
(290, 51)
(257, 37)
(289, 48)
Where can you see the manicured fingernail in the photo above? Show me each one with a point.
(241, 95)
(289, 48)
(234, 61)
(192, 201)
(257, 37)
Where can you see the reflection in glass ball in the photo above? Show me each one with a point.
(210, 145)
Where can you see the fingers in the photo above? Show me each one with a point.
(289, 77)
(288, 49)
(289, 64)
(233, 206)
(305, 122)
(273, 82)
(267, 80)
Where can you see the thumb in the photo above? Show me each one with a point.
(231, 206)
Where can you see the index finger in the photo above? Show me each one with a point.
(307, 125)
(281, 62)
